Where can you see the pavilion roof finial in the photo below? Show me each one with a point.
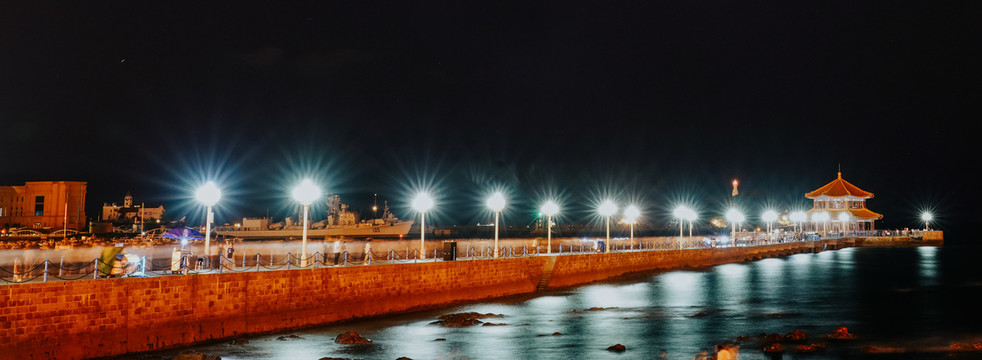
(840, 170)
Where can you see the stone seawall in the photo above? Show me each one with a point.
(94, 318)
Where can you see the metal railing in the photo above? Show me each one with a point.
(189, 263)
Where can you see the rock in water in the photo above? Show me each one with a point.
(841, 333)
(351, 337)
(774, 348)
(196, 356)
(404, 358)
(288, 337)
(464, 319)
(617, 348)
(796, 335)
(240, 342)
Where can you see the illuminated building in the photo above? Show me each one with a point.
(111, 212)
(846, 205)
(43, 205)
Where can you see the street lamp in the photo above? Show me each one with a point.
(684, 213)
(607, 209)
(797, 217)
(823, 217)
(549, 208)
(422, 203)
(927, 217)
(496, 203)
(305, 193)
(843, 219)
(631, 215)
(208, 194)
(769, 217)
(734, 216)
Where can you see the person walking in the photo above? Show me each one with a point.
(337, 251)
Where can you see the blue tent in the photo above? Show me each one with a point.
(184, 233)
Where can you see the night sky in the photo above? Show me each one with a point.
(648, 101)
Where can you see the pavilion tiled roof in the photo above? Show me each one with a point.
(860, 214)
(839, 188)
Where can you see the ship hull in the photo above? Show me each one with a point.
(385, 230)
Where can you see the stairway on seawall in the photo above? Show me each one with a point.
(546, 272)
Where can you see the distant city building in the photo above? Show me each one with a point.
(841, 197)
(43, 205)
(113, 212)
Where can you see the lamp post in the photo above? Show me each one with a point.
(549, 208)
(496, 203)
(305, 193)
(734, 216)
(844, 219)
(631, 215)
(208, 194)
(684, 213)
(607, 209)
(422, 203)
(927, 217)
(769, 216)
(797, 217)
(823, 217)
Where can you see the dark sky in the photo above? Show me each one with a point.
(652, 101)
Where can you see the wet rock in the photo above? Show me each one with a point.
(617, 348)
(493, 324)
(196, 356)
(771, 338)
(809, 348)
(700, 314)
(841, 333)
(966, 347)
(439, 339)
(774, 348)
(351, 337)
(288, 337)
(464, 319)
(870, 349)
(796, 335)
(595, 309)
(403, 358)
(557, 334)
(240, 342)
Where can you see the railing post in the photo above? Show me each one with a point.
(257, 261)
(288, 257)
(95, 270)
(221, 266)
(45, 271)
(61, 265)
(345, 258)
(368, 257)
(434, 254)
(143, 265)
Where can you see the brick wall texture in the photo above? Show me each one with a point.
(105, 317)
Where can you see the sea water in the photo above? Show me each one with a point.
(920, 300)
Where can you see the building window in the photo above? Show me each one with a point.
(39, 206)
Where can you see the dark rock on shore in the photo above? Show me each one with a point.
(439, 339)
(494, 324)
(464, 319)
(240, 342)
(617, 348)
(403, 358)
(288, 337)
(351, 337)
(557, 334)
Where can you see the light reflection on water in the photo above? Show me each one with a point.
(679, 312)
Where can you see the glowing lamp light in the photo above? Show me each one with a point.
(208, 194)
(306, 192)
(798, 216)
(843, 217)
(632, 213)
(734, 216)
(769, 216)
(607, 208)
(496, 202)
(821, 216)
(926, 216)
(550, 208)
(422, 202)
(685, 213)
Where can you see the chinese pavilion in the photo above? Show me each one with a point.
(845, 205)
